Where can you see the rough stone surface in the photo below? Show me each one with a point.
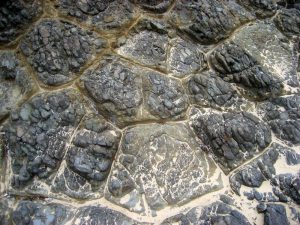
(215, 213)
(37, 134)
(153, 160)
(283, 117)
(57, 50)
(104, 15)
(208, 21)
(15, 82)
(16, 16)
(231, 137)
(149, 112)
(88, 159)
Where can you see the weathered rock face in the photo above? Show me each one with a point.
(165, 163)
(232, 137)
(103, 15)
(37, 134)
(15, 82)
(208, 21)
(57, 50)
(16, 16)
(149, 112)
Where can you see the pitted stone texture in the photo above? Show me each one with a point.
(94, 215)
(215, 213)
(155, 6)
(16, 16)
(15, 82)
(105, 15)
(5, 211)
(275, 215)
(232, 138)
(165, 97)
(126, 93)
(37, 135)
(261, 8)
(208, 21)
(282, 114)
(288, 21)
(115, 86)
(235, 65)
(162, 162)
(29, 212)
(147, 43)
(88, 159)
(272, 50)
(208, 90)
(58, 50)
(185, 58)
(285, 184)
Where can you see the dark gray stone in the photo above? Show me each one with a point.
(16, 16)
(155, 6)
(233, 138)
(275, 215)
(37, 134)
(261, 8)
(208, 21)
(288, 21)
(57, 50)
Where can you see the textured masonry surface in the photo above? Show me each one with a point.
(149, 112)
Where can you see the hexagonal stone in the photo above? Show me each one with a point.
(155, 6)
(208, 21)
(232, 138)
(36, 212)
(235, 65)
(165, 164)
(265, 8)
(288, 21)
(282, 114)
(58, 50)
(16, 16)
(164, 97)
(36, 137)
(91, 215)
(272, 50)
(147, 43)
(208, 90)
(184, 58)
(15, 83)
(126, 93)
(214, 213)
(88, 159)
(105, 15)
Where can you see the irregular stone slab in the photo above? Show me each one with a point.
(208, 21)
(105, 15)
(58, 50)
(282, 114)
(208, 90)
(288, 21)
(164, 97)
(5, 211)
(88, 159)
(15, 83)
(165, 164)
(16, 16)
(29, 212)
(184, 58)
(272, 50)
(232, 138)
(147, 43)
(91, 215)
(155, 6)
(126, 93)
(275, 215)
(215, 213)
(235, 65)
(36, 137)
(265, 8)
